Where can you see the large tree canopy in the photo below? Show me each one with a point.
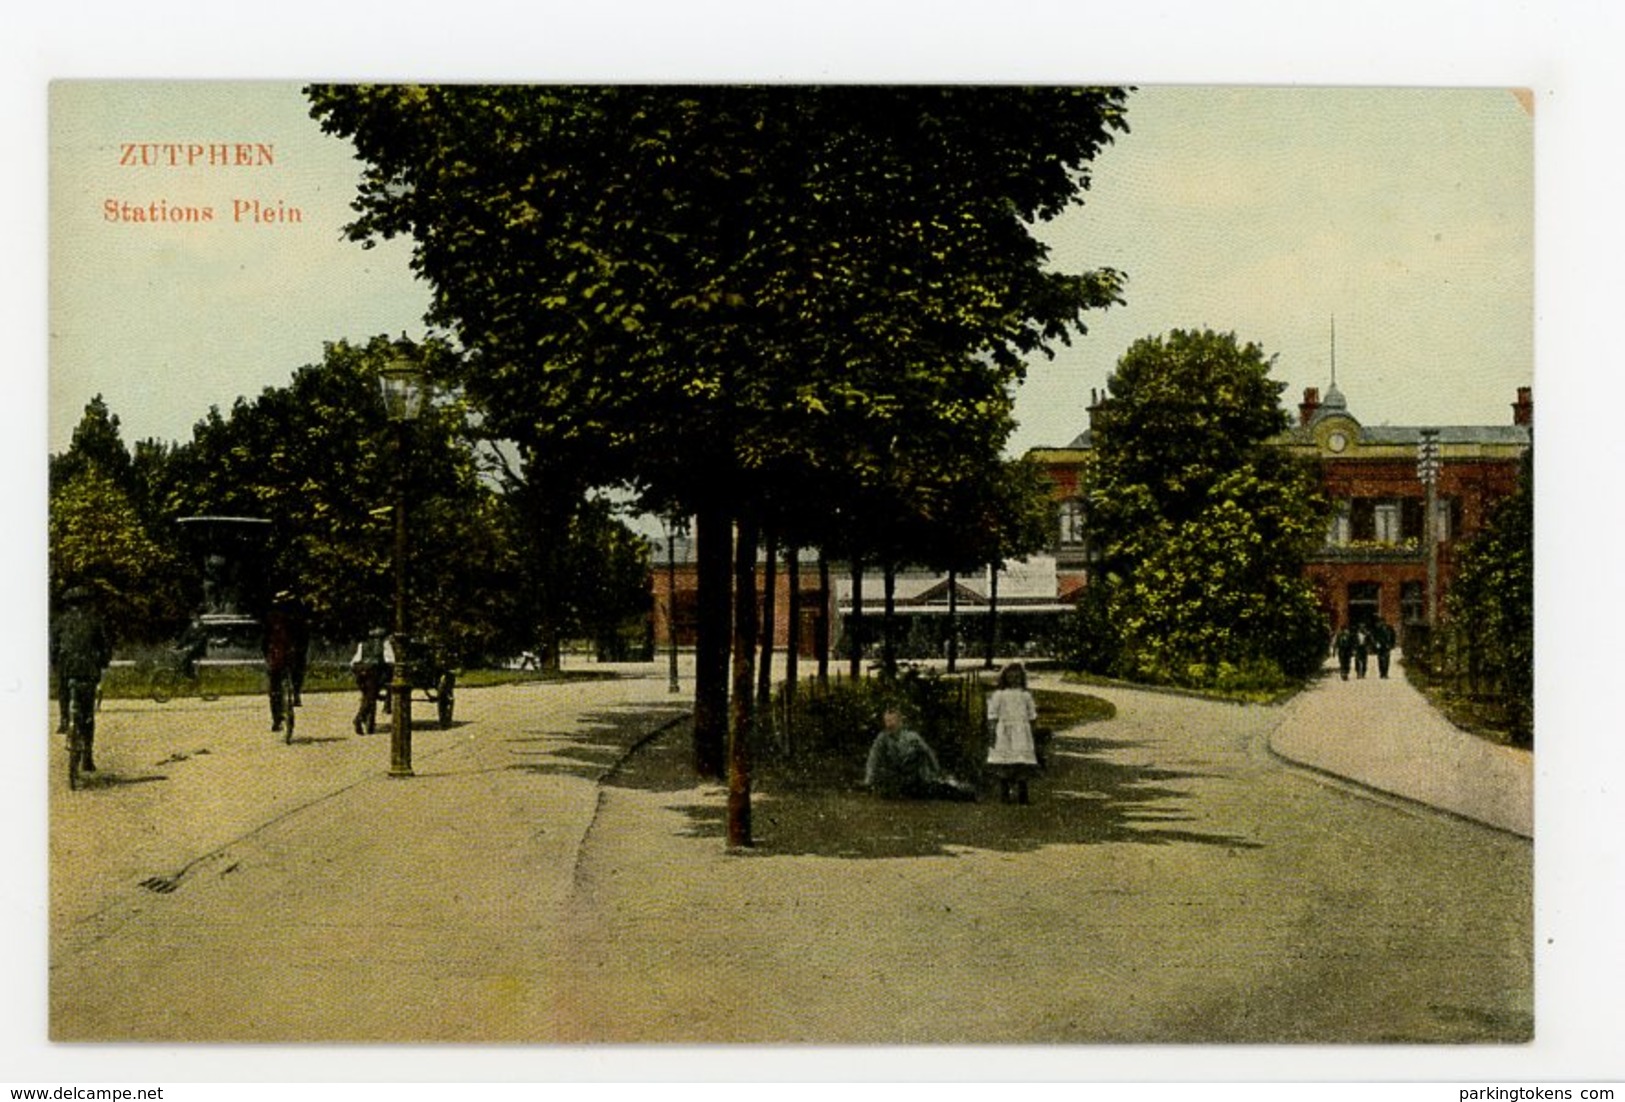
(732, 297)
(1204, 526)
(679, 283)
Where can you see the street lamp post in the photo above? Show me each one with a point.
(1427, 469)
(402, 385)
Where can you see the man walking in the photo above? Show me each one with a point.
(1344, 644)
(286, 640)
(373, 661)
(80, 649)
(1382, 640)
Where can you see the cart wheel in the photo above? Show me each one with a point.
(447, 698)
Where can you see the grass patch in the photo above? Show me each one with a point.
(1225, 696)
(133, 682)
(1059, 711)
(825, 741)
(1481, 716)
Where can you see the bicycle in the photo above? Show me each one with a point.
(175, 675)
(285, 702)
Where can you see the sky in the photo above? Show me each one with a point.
(1405, 215)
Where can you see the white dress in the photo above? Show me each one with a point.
(1012, 713)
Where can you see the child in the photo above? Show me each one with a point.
(1010, 713)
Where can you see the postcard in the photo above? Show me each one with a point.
(407, 444)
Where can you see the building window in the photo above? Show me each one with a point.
(1411, 599)
(1362, 520)
(1341, 529)
(1444, 513)
(1385, 519)
(1073, 531)
(1410, 519)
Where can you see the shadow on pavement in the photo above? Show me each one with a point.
(1078, 800)
(598, 749)
(104, 779)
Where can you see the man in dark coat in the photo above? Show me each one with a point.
(1382, 641)
(81, 649)
(1362, 649)
(1344, 644)
(286, 640)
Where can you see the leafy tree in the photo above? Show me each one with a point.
(316, 459)
(579, 571)
(96, 443)
(1205, 528)
(1488, 630)
(717, 293)
(99, 532)
(98, 540)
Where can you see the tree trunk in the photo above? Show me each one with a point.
(854, 622)
(792, 642)
(821, 644)
(764, 669)
(713, 553)
(992, 615)
(888, 622)
(739, 735)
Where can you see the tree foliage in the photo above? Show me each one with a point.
(1487, 637)
(1204, 526)
(732, 298)
(698, 288)
(99, 533)
(98, 541)
(318, 459)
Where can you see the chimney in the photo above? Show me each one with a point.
(1310, 405)
(1523, 410)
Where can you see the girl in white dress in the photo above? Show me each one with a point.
(1010, 714)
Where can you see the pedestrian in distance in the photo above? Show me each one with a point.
(1011, 713)
(80, 649)
(1344, 645)
(1382, 641)
(284, 647)
(372, 665)
(902, 765)
(1362, 649)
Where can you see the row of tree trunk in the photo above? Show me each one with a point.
(731, 688)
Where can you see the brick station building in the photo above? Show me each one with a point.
(1374, 561)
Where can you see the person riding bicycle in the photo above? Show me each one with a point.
(284, 649)
(190, 648)
(81, 649)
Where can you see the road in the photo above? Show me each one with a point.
(554, 874)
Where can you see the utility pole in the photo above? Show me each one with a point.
(1428, 464)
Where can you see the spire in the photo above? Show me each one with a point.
(1334, 351)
